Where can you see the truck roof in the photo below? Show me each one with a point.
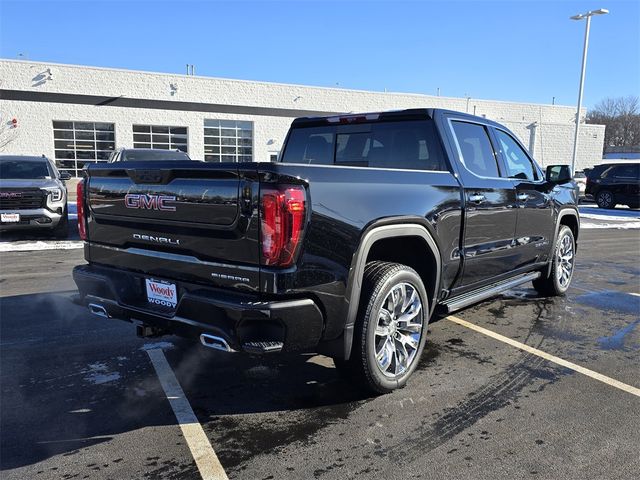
(392, 115)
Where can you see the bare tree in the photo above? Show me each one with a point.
(621, 116)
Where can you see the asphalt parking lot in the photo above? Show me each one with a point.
(81, 397)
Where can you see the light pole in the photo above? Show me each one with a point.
(581, 16)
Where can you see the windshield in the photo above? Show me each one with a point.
(136, 155)
(13, 169)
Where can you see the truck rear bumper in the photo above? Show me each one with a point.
(242, 320)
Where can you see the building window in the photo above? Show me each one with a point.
(78, 143)
(165, 138)
(228, 141)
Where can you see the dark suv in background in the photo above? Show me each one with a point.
(33, 195)
(613, 184)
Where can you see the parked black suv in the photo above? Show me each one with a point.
(346, 246)
(613, 184)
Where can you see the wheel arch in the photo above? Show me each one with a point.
(571, 218)
(374, 245)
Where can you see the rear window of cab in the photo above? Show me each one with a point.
(412, 145)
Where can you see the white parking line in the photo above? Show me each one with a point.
(201, 449)
(552, 358)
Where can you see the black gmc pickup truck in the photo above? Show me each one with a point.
(345, 247)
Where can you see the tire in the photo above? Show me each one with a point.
(61, 230)
(386, 351)
(562, 266)
(605, 199)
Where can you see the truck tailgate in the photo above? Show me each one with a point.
(184, 220)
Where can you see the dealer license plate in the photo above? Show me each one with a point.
(162, 293)
(10, 217)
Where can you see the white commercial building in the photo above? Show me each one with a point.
(77, 114)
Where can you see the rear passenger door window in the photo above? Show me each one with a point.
(516, 162)
(476, 150)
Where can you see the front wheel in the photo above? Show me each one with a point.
(61, 230)
(391, 328)
(562, 266)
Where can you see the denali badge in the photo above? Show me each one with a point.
(152, 238)
(149, 202)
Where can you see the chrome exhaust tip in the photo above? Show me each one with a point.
(98, 309)
(216, 343)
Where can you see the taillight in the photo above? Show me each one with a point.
(282, 222)
(82, 222)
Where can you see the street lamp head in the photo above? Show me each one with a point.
(580, 16)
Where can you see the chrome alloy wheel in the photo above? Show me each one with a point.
(564, 260)
(398, 331)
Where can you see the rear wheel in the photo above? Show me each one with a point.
(605, 199)
(391, 328)
(562, 266)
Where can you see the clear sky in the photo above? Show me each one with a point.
(507, 50)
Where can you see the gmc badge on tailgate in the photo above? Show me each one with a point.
(149, 202)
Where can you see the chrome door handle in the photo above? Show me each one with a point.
(477, 198)
(522, 197)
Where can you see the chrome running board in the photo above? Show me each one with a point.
(489, 291)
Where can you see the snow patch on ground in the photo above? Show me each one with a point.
(624, 213)
(40, 245)
(98, 374)
(621, 225)
(609, 218)
(618, 218)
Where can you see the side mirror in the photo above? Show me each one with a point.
(558, 174)
(64, 176)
